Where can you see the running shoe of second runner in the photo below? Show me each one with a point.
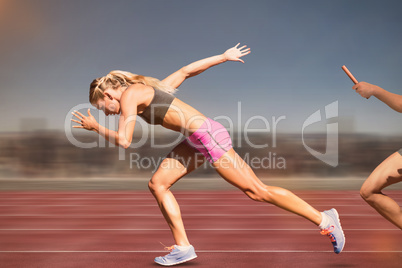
(177, 255)
(334, 230)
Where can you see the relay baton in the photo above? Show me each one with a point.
(349, 74)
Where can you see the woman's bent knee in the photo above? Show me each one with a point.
(368, 188)
(367, 194)
(156, 187)
(364, 193)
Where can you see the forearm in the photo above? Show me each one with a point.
(198, 67)
(392, 100)
(110, 135)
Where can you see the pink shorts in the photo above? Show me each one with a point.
(211, 139)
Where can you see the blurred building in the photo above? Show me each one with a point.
(49, 154)
(33, 124)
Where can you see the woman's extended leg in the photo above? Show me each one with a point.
(387, 173)
(237, 172)
(181, 161)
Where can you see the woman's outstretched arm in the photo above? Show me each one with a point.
(367, 90)
(195, 68)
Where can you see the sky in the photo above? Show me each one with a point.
(51, 50)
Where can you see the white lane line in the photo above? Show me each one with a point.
(181, 205)
(202, 251)
(141, 230)
(184, 215)
(177, 197)
(195, 192)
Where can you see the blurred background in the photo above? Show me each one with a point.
(52, 50)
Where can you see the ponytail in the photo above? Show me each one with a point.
(116, 79)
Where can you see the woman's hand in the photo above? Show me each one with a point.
(235, 53)
(365, 90)
(87, 122)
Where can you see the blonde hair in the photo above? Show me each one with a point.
(116, 79)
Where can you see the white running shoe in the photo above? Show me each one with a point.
(177, 255)
(334, 230)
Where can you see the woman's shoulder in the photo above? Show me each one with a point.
(137, 93)
(137, 87)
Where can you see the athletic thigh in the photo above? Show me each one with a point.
(237, 172)
(385, 174)
(180, 161)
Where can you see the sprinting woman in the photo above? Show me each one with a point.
(131, 95)
(390, 170)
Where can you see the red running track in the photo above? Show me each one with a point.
(124, 229)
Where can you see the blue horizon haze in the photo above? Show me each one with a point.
(52, 50)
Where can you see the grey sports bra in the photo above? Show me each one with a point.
(155, 112)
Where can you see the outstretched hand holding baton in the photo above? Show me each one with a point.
(354, 80)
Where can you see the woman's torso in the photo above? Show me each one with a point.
(159, 107)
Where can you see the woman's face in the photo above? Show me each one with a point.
(108, 105)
